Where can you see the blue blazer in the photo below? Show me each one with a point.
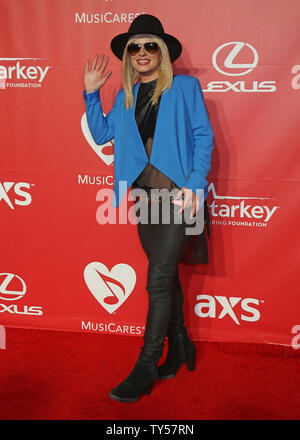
(182, 143)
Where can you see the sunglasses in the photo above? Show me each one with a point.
(151, 48)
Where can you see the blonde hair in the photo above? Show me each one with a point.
(129, 74)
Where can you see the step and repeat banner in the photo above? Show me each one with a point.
(60, 267)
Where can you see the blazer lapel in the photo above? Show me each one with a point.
(135, 128)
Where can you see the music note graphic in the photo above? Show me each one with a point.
(111, 281)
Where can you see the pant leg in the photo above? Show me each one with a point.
(177, 316)
(147, 235)
(164, 245)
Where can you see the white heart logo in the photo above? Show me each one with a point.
(107, 158)
(110, 288)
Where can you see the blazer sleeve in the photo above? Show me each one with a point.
(202, 137)
(102, 127)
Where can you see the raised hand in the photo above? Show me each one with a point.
(94, 78)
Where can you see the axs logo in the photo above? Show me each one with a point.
(15, 193)
(208, 307)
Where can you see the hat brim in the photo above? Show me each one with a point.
(119, 42)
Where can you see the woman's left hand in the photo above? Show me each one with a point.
(190, 199)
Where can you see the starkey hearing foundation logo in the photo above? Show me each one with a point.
(255, 211)
(236, 59)
(22, 72)
(13, 288)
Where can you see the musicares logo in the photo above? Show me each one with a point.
(110, 288)
(105, 151)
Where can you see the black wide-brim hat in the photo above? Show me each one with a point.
(146, 24)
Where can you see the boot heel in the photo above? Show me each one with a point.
(148, 388)
(190, 362)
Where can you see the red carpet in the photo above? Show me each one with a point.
(64, 375)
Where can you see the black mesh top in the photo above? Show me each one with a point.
(196, 251)
(145, 116)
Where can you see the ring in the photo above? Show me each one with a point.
(93, 68)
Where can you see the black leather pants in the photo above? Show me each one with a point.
(164, 245)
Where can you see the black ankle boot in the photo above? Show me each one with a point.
(139, 381)
(180, 349)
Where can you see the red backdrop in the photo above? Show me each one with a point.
(58, 264)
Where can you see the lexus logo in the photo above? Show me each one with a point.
(12, 287)
(239, 50)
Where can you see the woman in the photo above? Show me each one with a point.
(162, 140)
